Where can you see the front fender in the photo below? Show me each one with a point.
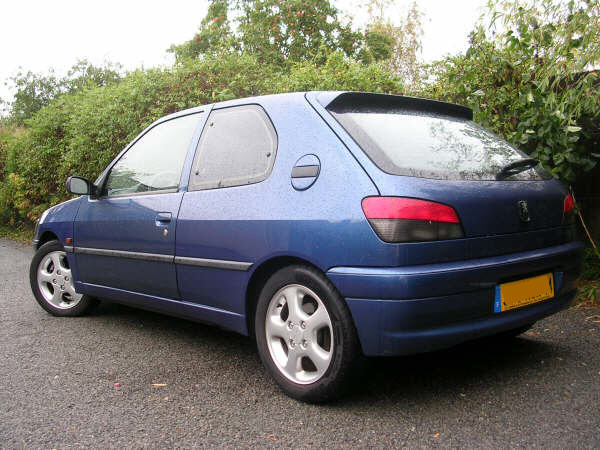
(58, 221)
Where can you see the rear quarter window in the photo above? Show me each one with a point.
(426, 145)
(237, 147)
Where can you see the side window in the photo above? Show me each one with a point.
(155, 161)
(237, 147)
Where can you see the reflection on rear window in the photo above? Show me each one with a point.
(401, 142)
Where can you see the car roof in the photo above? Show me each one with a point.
(343, 99)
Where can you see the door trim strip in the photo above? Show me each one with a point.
(124, 254)
(213, 263)
(183, 260)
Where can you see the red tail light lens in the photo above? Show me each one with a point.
(569, 204)
(399, 219)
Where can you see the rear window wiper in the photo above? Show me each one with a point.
(516, 167)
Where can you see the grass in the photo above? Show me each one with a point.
(588, 294)
(19, 233)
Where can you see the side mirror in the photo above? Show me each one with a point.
(79, 186)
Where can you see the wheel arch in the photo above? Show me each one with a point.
(258, 278)
(46, 236)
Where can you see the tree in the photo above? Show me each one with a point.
(396, 43)
(281, 31)
(528, 74)
(293, 29)
(34, 91)
(213, 37)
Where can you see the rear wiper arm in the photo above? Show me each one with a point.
(516, 167)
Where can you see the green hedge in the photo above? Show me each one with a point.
(82, 132)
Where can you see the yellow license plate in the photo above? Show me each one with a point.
(523, 292)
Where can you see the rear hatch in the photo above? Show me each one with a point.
(433, 151)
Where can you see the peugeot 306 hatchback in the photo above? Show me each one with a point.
(328, 225)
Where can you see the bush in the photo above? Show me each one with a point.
(531, 83)
(591, 264)
(81, 133)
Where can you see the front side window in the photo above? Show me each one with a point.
(155, 161)
(237, 147)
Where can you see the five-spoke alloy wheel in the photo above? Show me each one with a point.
(52, 282)
(55, 281)
(298, 332)
(305, 334)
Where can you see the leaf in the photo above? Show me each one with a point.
(573, 129)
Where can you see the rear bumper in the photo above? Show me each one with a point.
(404, 310)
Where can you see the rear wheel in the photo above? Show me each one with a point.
(52, 283)
(305, 335)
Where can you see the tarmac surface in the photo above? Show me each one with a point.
(182, 384)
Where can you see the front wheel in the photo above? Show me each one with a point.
(305, 335)
(52, 283)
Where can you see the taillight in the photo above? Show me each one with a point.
(399, 219)
(569, 210)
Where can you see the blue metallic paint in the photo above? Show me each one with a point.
(396, 334)
(59, 223)
(128, 223)
(432, 280)
(414, 304)
(403, 297)
(485, 207)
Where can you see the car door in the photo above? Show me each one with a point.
(219, 225)
(125, 238)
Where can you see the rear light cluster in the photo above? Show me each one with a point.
(400, 219)
(569, 210)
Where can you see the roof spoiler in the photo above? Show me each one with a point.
(348, 101)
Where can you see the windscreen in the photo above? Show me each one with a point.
(421, 144)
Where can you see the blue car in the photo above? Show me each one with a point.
(329, 226)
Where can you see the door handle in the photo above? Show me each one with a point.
(162, 218)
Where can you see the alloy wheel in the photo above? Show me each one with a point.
(299, 334)
(56, 282)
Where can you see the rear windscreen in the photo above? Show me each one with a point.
(425, 145)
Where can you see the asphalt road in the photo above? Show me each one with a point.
(58, 375)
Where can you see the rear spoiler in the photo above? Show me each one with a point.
(349, 101)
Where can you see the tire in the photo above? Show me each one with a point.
(311, 349)
(52, 283)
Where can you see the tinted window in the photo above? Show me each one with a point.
(155, 161)
(401, 142)
(237, 147)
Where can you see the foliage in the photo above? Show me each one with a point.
(588, 293)
(282, 31)
(34, 91)
(20, 233)
(591, 264)
(80, 133)
(400, 53)
(214, 36)
(527, 76)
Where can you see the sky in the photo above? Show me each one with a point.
(38, 34)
